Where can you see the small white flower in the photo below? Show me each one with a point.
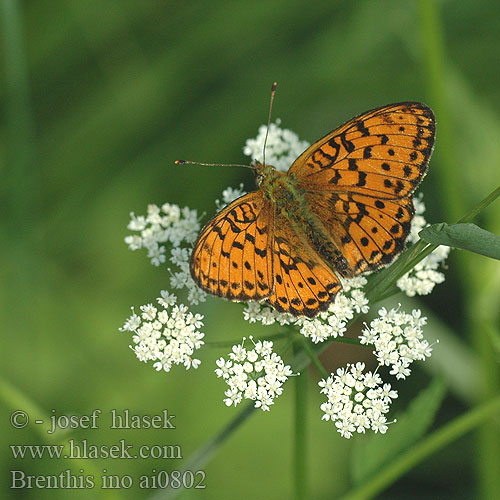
(356, 401)
(239, 353)
(166, 299)
(257, 374)
(148, 312)
(132, 323)
(251, 312)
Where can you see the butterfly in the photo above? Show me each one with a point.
(344, 207)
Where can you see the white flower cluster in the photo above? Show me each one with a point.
(329, 323)
(257, 374)
(356, 401)
(282, 148)
(398, 340)
(168, 336)
(422, 279)
(174, 225)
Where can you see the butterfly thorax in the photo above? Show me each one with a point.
(279, 189)
(290, 202)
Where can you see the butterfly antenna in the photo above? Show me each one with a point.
(273, 91)
(187, 162)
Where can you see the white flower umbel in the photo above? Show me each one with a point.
(257, 374)
(329, 323)
(167, 335)
(172, 225)
(422, 279)
(356, 401)
(282, 148)
(398, 340)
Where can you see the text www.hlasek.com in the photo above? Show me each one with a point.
(79, 450)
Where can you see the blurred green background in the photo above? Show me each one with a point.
(99, 97)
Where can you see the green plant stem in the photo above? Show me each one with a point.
(436, 71)
(300, 461)
(347, 340)
(425, 448)
(312, 355)
(471, 214)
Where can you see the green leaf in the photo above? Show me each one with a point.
(376, 451)
(466, 236)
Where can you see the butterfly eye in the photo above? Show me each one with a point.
(259, 178)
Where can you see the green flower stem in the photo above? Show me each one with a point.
(468, 217)
(301, 340)
(300, 461)
(347, 340)
(390, 292)
(434, 61)
(427, 446)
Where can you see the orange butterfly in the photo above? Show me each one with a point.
(344, 207)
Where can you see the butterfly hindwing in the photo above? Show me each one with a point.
(303, 283)
(232, 257)
(369, 232)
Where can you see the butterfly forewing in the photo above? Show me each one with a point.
(382, 153)
(232, 257)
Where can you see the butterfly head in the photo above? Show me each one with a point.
(269, 179)
(262, 172)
